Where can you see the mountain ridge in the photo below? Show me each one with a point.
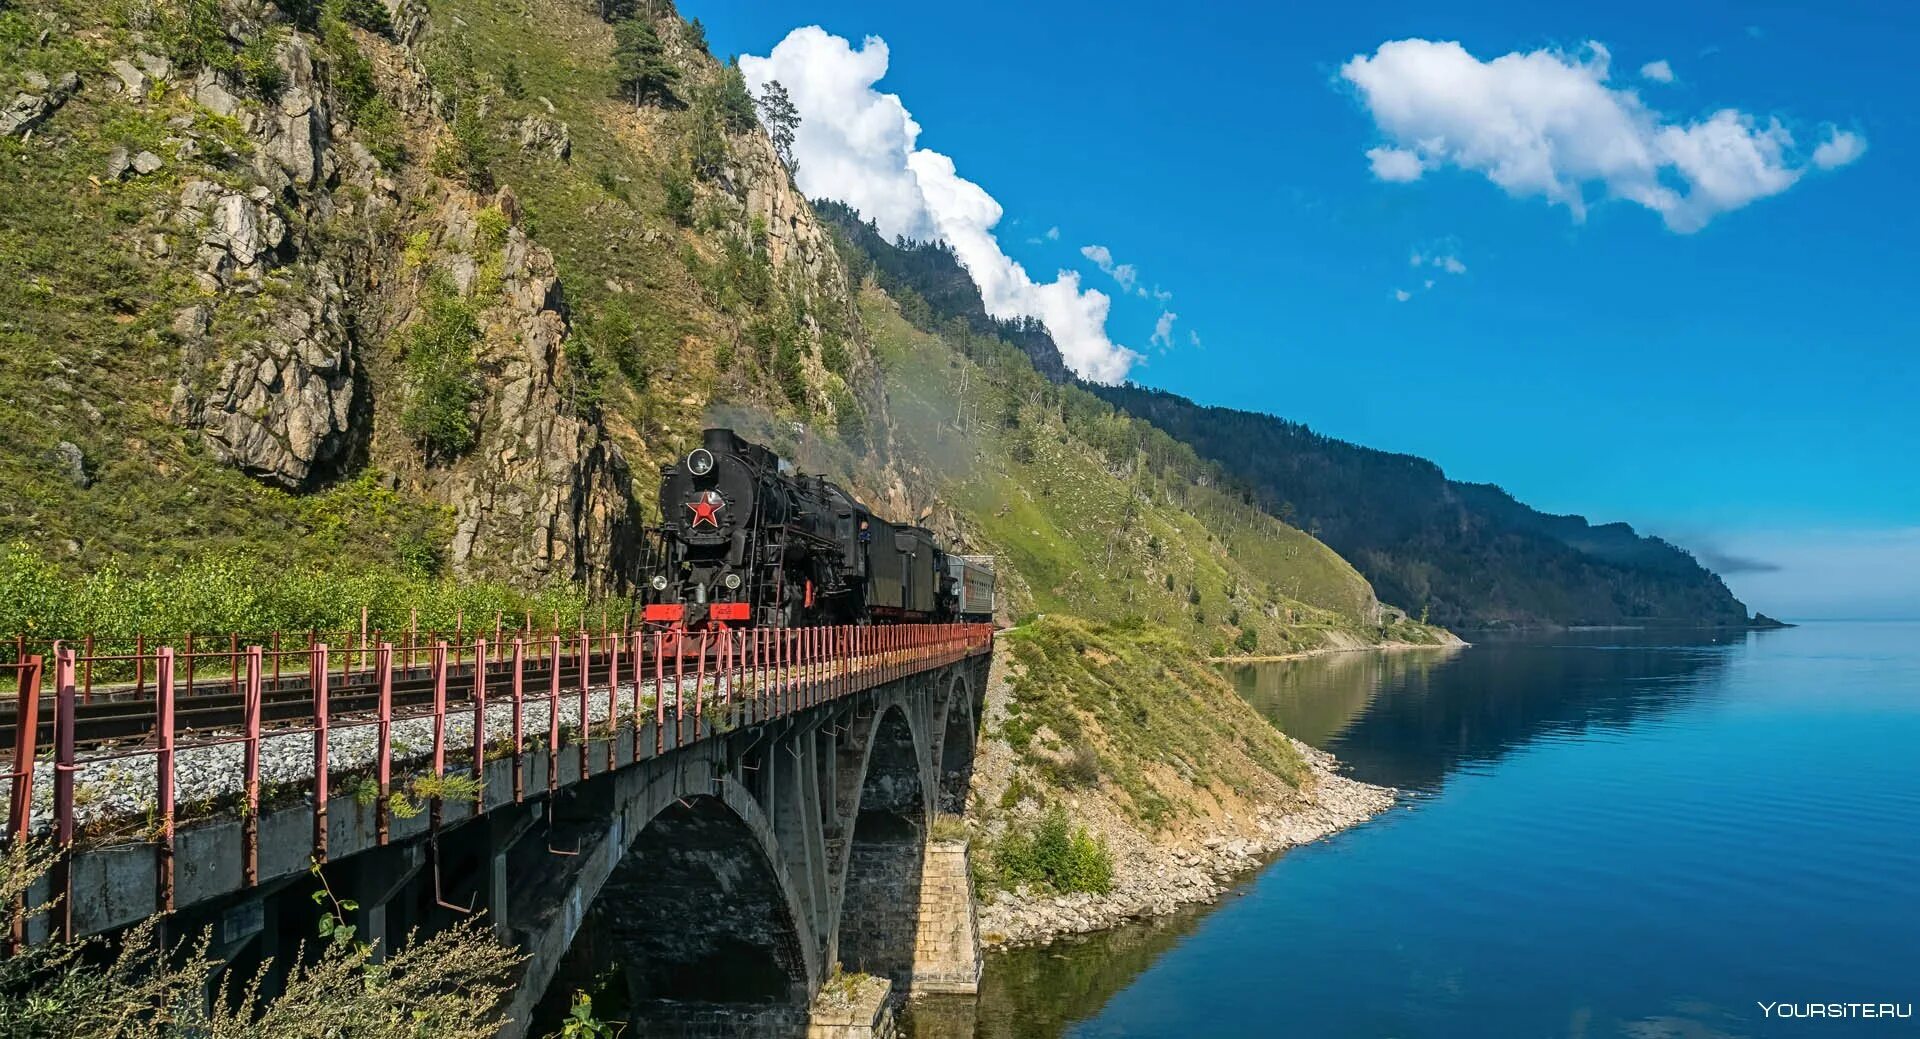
(1505, 564)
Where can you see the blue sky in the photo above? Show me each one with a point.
(1737, 373)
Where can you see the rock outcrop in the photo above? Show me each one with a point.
(544, 492)
(40, 99)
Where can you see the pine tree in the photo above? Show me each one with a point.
(640, 62)
(782, 120)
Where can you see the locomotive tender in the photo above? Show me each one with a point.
(746, 540)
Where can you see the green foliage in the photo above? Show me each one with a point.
(580, 1022)
(510, 82)
(782, 119)
(447, 985)
(467, 152)
(219, 594)
(679, 197)
(1247, 641)
(441, 373)
(640, 64)
(354, 86)
(370, 15)
(491, 226)
(255, 63)
(1144, 704)
(732, 101)
(697, 35)
(1052, 856)
(194, 35)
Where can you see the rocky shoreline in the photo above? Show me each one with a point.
(1155, 879)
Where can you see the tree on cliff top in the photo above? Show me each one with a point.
(783, 121)
(640, 62)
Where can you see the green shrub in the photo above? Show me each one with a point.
(1247, 641)
(222, 593)
(441, 373)
(679, 198)
(1052, 856)
(467, 153)
(370, 15)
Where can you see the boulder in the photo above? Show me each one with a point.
(31, 107)
(132, 79)
(543, 136)
(71, 463)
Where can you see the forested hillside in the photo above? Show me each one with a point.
(1468, 555)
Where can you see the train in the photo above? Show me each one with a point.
(746, 540)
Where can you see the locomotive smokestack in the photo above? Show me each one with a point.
(719, 441)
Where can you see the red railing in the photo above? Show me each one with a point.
(376, 711)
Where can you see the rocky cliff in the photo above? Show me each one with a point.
(292, 204)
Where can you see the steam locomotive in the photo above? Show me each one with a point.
(746, 540)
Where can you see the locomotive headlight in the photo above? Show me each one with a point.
(732, 581)
(659, 582)
(700, 461)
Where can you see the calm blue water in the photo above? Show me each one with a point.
(1603, 834)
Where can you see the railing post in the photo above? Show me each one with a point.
(383, 754)
(26, 738)
(519, 730)
(480, 719)
(164, 777)
(639, 644)
(439, 710)
(553, 714)
(699, 687)
(322, 761)
(26, 734)
(63, 768)
(613, 701)
(679, 690)
(250, 828)
(586, 708)
(659, 694)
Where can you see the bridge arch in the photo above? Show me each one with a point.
(698, 926)
(880, 885)
(958, 724)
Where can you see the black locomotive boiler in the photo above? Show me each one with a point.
(746, 540)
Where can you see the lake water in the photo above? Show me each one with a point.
(1608, 833)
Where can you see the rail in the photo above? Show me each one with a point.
(137, 760)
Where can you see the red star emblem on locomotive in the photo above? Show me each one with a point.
(706, 508)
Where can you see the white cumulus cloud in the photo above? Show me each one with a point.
(1124, 273)
(1657, 71)
(1163, 329)
(1840, 148)
(1547, 123)
(1402, 295)
(1397, 164)
(859, 145)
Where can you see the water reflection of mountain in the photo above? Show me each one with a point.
(1409, 719)
(1037, 993)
